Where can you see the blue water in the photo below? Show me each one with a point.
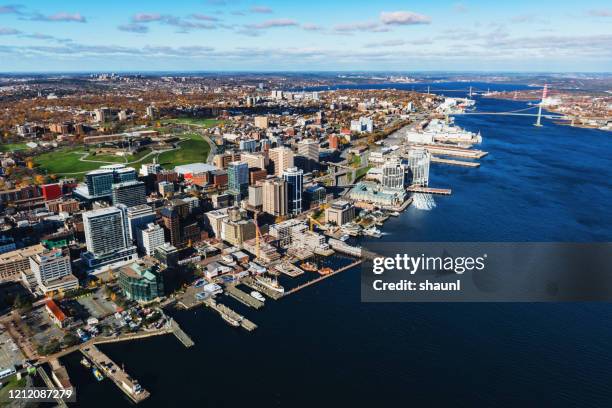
(322, 347)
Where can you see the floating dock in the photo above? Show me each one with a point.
(454, 162)
(429, 190)
(127, 384)
(243, 297)
(224, 310)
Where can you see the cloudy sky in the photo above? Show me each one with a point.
(110, 35)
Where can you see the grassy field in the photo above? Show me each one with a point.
(64, 161)
(193, 150)
(11, 147)
(120, 159)
(195, 122)
(11, 384)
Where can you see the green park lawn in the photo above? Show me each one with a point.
(11, 147)
(193, 150)
(195, 122)
(64, 160)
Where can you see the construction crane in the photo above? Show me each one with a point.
(257, 236)
(312, 222)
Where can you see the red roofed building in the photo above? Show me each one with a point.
(56, 314)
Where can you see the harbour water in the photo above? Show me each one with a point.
(322, 347)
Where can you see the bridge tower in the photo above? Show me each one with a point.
(544, 93)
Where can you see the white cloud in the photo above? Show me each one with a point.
(260, 9)
(8, 31)
(403, 18)
(280, 22)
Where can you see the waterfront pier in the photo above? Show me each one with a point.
(116, 374)
(451, 162)
(229, 315)
(180, 334)
(322, 277)
(429, 190)
(243, 297)
(253, 284)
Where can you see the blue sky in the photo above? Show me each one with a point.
(298, 35)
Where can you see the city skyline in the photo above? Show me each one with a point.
(219, 35)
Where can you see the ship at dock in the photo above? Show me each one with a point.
(308, 266)
(229, 320)
(270, 283)
(442, 131)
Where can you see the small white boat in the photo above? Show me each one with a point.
(258, 296)
(232, 322)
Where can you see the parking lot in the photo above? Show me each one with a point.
(40, 329)
(96, 305)
(10, 355)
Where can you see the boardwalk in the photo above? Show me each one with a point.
(429, 190)
(317, 280)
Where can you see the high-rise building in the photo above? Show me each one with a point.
(275, 197)
(295, 187)
(314, 195)
(172, 225)
(129, 193)
(309, 148)
(165, 188)
(262, 122)
(282, 159)
(249, 145)
(52, 270)
(222, 160)
(107, 237)
(236, 228)
(100, 182)
(393, 175)
(256, 197)
(238, 178)
(138, 217)
(152, 237)
(256, 175)
(259, 160)
(418, 165)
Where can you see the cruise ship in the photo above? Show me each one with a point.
(439, 130)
